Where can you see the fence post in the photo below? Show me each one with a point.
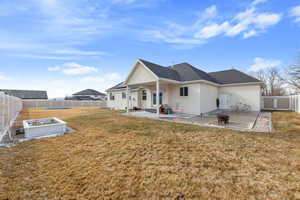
(9, 115)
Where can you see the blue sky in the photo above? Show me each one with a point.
(63, 46)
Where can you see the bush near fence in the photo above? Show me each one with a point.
(61, 104)
(10, 108)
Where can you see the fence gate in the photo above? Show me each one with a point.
(280, 102)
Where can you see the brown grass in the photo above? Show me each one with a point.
(117, 157)
(287, 122)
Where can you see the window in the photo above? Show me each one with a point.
(111, 96)
(181, 91)
(184, 91)
(123, 95)
(160, 98)
(144, 95)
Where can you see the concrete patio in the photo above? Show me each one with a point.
(243, 121)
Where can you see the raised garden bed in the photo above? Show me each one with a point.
(44, 127)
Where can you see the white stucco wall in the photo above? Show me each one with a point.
(201, 98)
(208, 97)
(187, 104)
(119, 103)
(146, 103)
(140, 75)
(247, 94)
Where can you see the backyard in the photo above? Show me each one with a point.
(111, 156)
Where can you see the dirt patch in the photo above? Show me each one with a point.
(117, 157)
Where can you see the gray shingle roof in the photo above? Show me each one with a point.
(26, 94)
(162, 72)
(122, 85)
(89, 92)
(187, 72)
(232, 76)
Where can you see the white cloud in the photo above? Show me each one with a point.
(179, 34)
(261, 64)
(53, 69)
(57, 24)
(256, 22)
(79, 52)
(264, 20)
(248, 23)
(210, 12)
(4, 78)
(250, 34)
(44, 57)
(255, 2)
(295, 12)
(8, 7)
(101, 79)
(212, 30)
(170, 37)
(72, 68)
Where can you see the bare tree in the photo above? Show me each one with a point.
(261, 75)
(293, 74)
(273, 82)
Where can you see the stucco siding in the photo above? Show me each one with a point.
(247, 94)
(119, 103)
(146, 103)
(187, 104)
(208, 97)
(140, 75)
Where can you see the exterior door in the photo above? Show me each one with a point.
(225, 101)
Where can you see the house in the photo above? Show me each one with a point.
(27, 94)
(88, 94)
(184, 88)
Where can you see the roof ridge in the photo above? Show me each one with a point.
(225, 70)
(150, 62)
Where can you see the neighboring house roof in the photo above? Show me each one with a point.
(81, 98)
(89, 92)
(187, 72)
(26, 94)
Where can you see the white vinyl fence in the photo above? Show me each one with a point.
(281, 103)
(61, 104)
(10, 108)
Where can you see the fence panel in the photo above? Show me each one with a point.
(281, 103)
(61, 104)
(10, 108)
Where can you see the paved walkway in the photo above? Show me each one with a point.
(263, 122)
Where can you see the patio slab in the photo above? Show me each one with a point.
(242, 121)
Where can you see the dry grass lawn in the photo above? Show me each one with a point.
(117, 157)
